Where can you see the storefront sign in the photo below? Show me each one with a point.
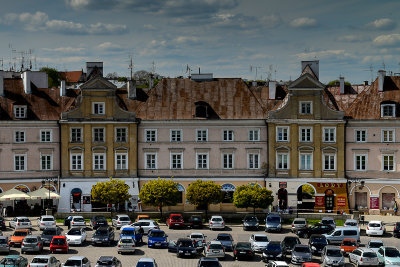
(319, 201)
(374, 202)
(336, 185)
(341, 201)
(282, 184)
(22, 188)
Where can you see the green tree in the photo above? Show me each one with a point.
(113, 191)
(252, 196)
(308, 189)
(160, 193)
(53, 76)
(202, 193)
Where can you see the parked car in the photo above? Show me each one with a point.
(332, 256)
(77, 261)
(59, 244)
(317, 243)
(147, 262)
(299, 223)
(45, 261)
(258, 242)
(341, 233)
(175, 220)
(214, 249)
(46, 221)
(97, 221)
(142, 217)
(76, 236)
(288, 244)
(348, 245)
(78, 221)
(147, 225)
(300, 254)
(20, 223)
(375, 228)
(18, 236)
(157, 239)
(104, 235)
(3, 224)
(195, 221)
(273, 223)
(131, 232)
(364, 256)
(183, 247)
(315, 229)
(48, 233)
(216, 222)
(375, 244)
(4, 246)
(121, 220)
(32, 243)
(273, 251)
(243, 250)
(250, 222)
(208, 262)
(389, 255)
(14, 261)
(277, 264)
(226, 240)
(396, 230)
(108, 261)
(328, 220)
(126, 244)
(199, 239)
(351, 222)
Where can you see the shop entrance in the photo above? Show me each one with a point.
(329, 200)
(282, 199)
(76, 199)
(306, 198)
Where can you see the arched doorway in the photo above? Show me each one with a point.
(181, 191)
(228, 190)
(76, 199)
(306, 198)
(329, 200)
(282, 198)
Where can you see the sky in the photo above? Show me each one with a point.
(250, 39)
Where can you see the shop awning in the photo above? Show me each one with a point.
(43, 193)
(14, 194)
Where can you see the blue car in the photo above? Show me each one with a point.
(157, 239)
(130, 231)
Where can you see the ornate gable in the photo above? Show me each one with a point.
(306, 81)
(98, 82)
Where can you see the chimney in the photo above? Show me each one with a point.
(272, 89)
(1, 83)
(26, 78)
(381, 79)
(63, 89)
(131, 87)
(365, 82)
(341, 82)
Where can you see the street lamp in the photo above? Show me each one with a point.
(49, 181)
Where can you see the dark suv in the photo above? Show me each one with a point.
(195, 221)
(104, 235)
(250, 222)
(396, 230)
(98, 221)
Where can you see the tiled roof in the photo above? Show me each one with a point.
(72, 76)
(343, 101)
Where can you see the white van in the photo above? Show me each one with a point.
(343, 232)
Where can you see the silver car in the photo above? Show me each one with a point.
(214, 249)
(298, 223)
(328, 220)
(44, 261)
(300, 254)
(273, 223)
(332, 256)
(126, 244)
(20, 223)
(32, 243)
(120, 220)
(375, 244)
(4, 246)
(147, 225)
(363, 256)
(46, 221)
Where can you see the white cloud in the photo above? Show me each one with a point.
(78, 3)
(352, 38)
(323, 54)
(65, 49)
(382, 24)
(387, 40)
(108, 46)
(376, 59)
(186, 39)
(303, 23)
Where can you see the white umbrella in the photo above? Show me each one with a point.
(14, 194)
(43, 193)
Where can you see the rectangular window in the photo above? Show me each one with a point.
(305, 107)
(228, 135)
(151, 135)
(98, 135)
(227, 161)
(76, 135)
(201, 135)
(306, 161)
(388, 110)
(121, 134)
(360, 162)
(19, 162)
(305, 134)
(45, 136)
(176, 161)
(329, 134)
(99, 161)
(202, 161)
(282, 134)
(253, 160)
(121, 161)
(20, 112)
(46, 162)
(387, 136)
(254, 135)
(76, 161)
(282, 161)
(329, 162)
(388, 162)
(176, 135)
(361, 135)
(19, 136)
(150, 160)
(99, 108)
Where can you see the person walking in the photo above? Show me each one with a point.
(141, 232)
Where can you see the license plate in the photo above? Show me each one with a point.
(242, 252)
(187, 253)
(158, 244)
(59, 249)
(215, 251)
(177, 224)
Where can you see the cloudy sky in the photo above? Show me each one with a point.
(352, 38)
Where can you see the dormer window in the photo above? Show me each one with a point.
(201, 111)
(388, 110)
(20, 112)
(98, 108)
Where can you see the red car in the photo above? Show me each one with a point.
(59, 244)
(175, 220)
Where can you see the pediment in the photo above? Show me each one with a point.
(306, 81)
(98, 82)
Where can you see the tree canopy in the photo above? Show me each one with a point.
(253, 196)
(54, 76)
(114, 191)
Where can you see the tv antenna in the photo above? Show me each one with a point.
(153, 67)
(188, 69)
(130, 67)
(256, 68)
(371, 70)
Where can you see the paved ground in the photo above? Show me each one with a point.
(164, 258)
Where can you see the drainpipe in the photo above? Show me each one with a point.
(344, 158)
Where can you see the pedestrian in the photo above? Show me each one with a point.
(69, 219)
(141, 232)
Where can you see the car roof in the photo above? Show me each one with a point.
(332, 247)
(366, 250)
(196, 234)
(43, 257)
(347, 228)
(35, 236)
(184, 239)
(216, 216)
(224, 234)
(47, 216)
(106, 258)
(327, 218)
(77, 216)
(351, 220)
(301, 245)
(175, 214)
(126, 237)
(376, 241)
(375, 222)
(3, 237)
(299, 219)
(215, 242)
(259, 234)
(145, 221)
(273, 215)
(146, 260)
(13, 256)
(76, 258)
(208, 259)
(22, 217)
(317, 236)
(21, 230)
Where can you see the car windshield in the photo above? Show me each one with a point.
(299, 222)
(216, 219)
(8, 261)
(30, 240)
(392, 252)
(274, 246)
(302, 249)
(48, 219)
(49, 231)
(20, 234)
(333, 253)
(375, 244)
(319, 240)
(157, 234)
(351, 223)
(105, 262)
(72, 263)
(24, 220)
(101, 232)
(40, 260)
(327, 222)
(196, 236)
(144, 264)
(215, 246)
(273, 219)
(126, 241)
(79, 220)
(250, 219)
(243, 245)
(349, 243)
(224, 237)
(374, 225)
(124, 219)
(369, 255)
(128, 232)
(185, 243)
(74, 232)
(196, 219)
(261, 238)
(58, 241)
(176, 218)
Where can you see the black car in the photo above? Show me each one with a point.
(108, 261)
(2, 223)
(48, 233)
(317, 243)
(183, 247)
(208, 262)
(318, 229)
(250, 222)
(195, 221)
(273, 251)
(243, 250)
(104, 235)
(396, 230)
(288, 244)
(97, 221)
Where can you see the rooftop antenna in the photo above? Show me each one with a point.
(383, 64)
(153, 67)
(188, 69)
(371, 70)
(256, 69)
(130, 67)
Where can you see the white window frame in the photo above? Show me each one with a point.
(253, 133)
(230, 161)
(256, 160)
(324, 130)
(311, 161)
(117, 137)
(15, 162)
(207, 160)
(393, 106)
(104, 156)
(41, 162)
(118, 166)
(94, 135)
(301, 136)
(19, 136)
(283, 128)
(301, 103)
(355, 161)
(146, 166)
(228, 135)
(279, 156)
(394, 162)
(334, 161)
(20, 112)
(175, 135)
(202, 137)
(171, 163)
(71, 135)
(99, 105)
(71, 161)
(50, 136)
(393, 135)
(360, 131)
(150, 131)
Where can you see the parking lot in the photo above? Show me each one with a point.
(164, 258)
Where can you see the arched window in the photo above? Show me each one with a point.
(181, 190)
(228, 189)
(76, 196)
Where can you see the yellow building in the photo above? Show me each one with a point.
(98, 141)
